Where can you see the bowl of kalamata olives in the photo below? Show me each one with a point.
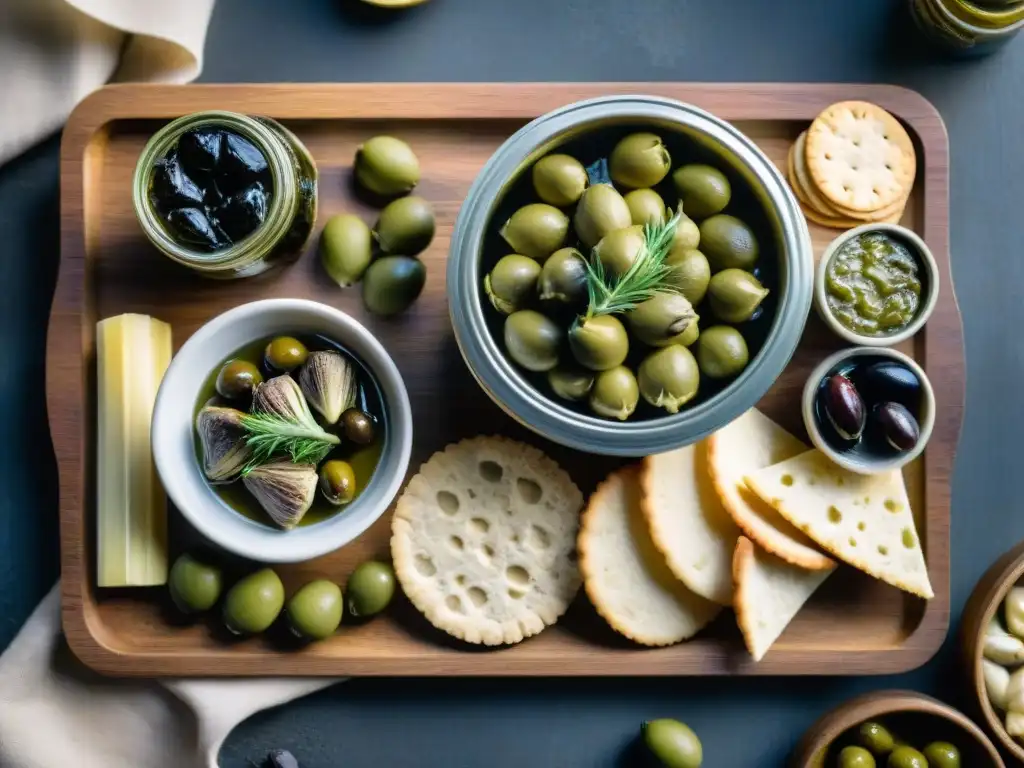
(869, 409)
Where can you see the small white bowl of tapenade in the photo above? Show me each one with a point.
(876, 285)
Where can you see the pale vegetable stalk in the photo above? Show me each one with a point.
(132, 354)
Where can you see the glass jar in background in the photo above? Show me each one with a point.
(290, 206)
(969, 28)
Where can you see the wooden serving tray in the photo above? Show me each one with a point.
(854, 625)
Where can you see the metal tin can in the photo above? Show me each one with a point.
(290, 214)
(508, 386)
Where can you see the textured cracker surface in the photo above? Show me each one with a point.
(864, 520)
(687, 521)
(624, 574)
(769, 594)
(751, 442)
(481, 555)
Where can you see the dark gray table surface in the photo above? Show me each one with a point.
(566, 723)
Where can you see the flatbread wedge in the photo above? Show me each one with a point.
(624, 574)
(864, 520)
(749, 443)
(688, 523)
(769, 594)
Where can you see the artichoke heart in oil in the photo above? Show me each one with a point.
(223, 439)
(281, 422)
(284, 490)
(328, 381)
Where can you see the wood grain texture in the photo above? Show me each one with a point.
(984, 603)
(854, 625)
(907, 713)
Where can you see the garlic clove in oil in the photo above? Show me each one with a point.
(328, 380)
(222, 437)
(285, 490)
(997, 683)
(1002, 647)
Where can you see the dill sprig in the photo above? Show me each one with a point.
(270, 435)
(645, 277)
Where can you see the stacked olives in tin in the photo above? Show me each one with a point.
(627, 279)
(875, 746)
(254, 602)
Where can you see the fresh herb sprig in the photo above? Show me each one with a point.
(645, 277)
(270, 435)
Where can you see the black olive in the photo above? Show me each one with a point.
(898, 425)
(243, 212)
(844, 407)
(282, 758)
(172, 188)
(199, 150)
(240, 163)
(358, 426)
(889, 381)
(191, 226)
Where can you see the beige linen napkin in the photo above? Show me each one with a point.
(54, 53)
(54, 713)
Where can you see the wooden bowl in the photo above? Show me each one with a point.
(908, 712)
(982, 605)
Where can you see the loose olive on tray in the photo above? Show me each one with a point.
(194, 585)
(600, 308)
(387, 166)
(346, 249)
(314, 612)
(370, 589)
(392, 283)
(405, 227)
(254, 603)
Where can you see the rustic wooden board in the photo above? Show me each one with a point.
(855, 625)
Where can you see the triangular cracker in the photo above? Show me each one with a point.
(864, 520)
(769, 593)
(749, 443)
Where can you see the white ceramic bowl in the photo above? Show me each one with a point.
(931, 284)
(174, 449)
(861, 464)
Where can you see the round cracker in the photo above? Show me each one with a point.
(823, 206)
(626, 577)
(750, 442)
(688, 523)
(843, 222)
(483, 540)
(860, 157)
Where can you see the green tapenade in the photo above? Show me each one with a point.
(873, 285)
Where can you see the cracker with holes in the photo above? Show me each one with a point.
(859, 157)
(624, 573)
(484, 540)
(864, 520)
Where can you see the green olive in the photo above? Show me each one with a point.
(536, 230)
(346, 248)
(906, 757)
(639, 160)
(512, 282)
(599, 343)
(876, 737)
(735, 295)
(703, 190)
(728, 242)
(314, 612)
(559, 179)
(669, 378)
(285, 354)
(533, 340)
(387, 166)
(686, 236)
(358, 426)
(942, 754)
(691, 273)
(194, 585)
(338, 482)
(673, 743)
(855, 757)
(689, 336)
(660, 319)
(370, 588)
(615, 393)
(237, 379)
(601, 210)
(564, 278)
(405, 226)
(392, 284)
(618, 250)
(645, 206)
(570, 382)
(721, 352)
(253, 603)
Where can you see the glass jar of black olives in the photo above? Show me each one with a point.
(226, 194)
